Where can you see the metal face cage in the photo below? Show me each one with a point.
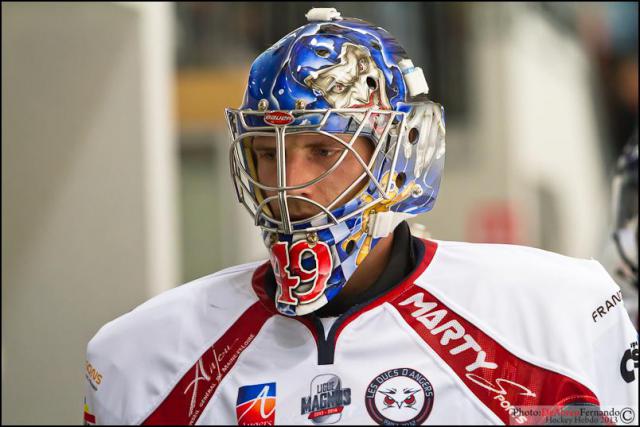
(385, 128)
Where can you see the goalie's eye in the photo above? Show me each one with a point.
(266, 154)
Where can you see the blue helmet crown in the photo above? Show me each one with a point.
(288, 71)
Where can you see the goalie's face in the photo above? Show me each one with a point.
(307, 157)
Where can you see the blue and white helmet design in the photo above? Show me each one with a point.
(336, 76)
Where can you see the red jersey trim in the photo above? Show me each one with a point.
(188, 399)
(498, 378)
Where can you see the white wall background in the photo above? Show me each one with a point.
(88, 189)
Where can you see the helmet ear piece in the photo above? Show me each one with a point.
(424, 142)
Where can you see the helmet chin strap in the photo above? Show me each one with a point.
(383, 223)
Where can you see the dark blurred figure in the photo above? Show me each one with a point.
(625, 216)
(610, 30)
(620, 255)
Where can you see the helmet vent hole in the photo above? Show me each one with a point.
(376, 45)
(322, 52)
(400, 179)
(372, 83)
(414, 135)
(350, 247)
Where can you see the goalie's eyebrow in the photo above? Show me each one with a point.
(263, 143)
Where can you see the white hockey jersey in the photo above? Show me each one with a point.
(477, 334)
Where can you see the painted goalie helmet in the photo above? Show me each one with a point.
(344, 79)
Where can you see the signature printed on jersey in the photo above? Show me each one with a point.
(326, 400)
(399, 396)
(219, 361)
(256, 405)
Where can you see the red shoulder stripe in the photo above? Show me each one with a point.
(190, 396)
(498, 378)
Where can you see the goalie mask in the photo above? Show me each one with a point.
(348, 83)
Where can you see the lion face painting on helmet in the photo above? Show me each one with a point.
(335, 76)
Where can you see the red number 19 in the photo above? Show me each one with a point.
(287, 265)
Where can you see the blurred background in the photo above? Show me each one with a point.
(115, 182)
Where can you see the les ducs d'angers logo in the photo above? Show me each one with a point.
(399, 396)
(256, 405)
(286, 259)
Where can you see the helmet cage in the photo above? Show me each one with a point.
(244, 124)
